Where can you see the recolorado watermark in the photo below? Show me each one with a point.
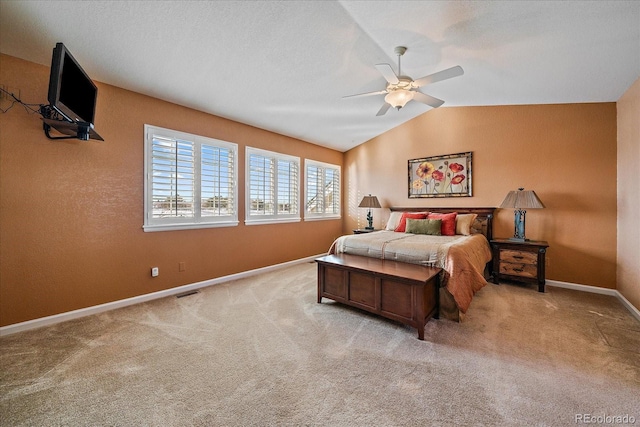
(604, 419)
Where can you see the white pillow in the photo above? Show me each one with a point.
(394, 220)
(464, 223)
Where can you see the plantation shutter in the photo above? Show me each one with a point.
(287, 187)
(272, 186)
(331, 191)
(173, 178)
(217, 181)
(315, 196)
(190, 181)
(322, 183)
(261, 184)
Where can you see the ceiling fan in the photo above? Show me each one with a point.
(402, 89)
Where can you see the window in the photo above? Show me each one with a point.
(322, 190)
(190, 181)
(272, 187)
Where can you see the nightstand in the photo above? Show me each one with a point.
(521, 261)
(364, 230)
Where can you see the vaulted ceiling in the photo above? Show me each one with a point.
(284, 66)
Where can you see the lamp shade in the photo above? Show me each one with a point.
(369, 202)
(399, 98)
(522, 199)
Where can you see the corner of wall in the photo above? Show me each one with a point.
(628, 198)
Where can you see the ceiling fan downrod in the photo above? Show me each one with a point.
(399, 50)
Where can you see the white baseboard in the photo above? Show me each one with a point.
(597, 290)
(75, 314)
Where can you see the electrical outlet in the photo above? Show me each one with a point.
(155, 271)
(182, 266)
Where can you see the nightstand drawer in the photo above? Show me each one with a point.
(522, 270)
(519, 257)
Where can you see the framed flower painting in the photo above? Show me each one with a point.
(440, 176)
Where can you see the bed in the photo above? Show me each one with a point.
(464, 256)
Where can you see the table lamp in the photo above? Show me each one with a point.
(521, 200)
(369, 202)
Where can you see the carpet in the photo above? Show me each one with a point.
(261, 351)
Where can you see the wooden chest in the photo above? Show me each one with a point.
(404, 292)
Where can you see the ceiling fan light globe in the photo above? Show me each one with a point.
(399, 98)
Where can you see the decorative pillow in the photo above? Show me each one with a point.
(424, 226)
(403, 220)
(479, 226)
(464, 222)
(448, 222)
(394, 220)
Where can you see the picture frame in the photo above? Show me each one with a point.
(441, 176)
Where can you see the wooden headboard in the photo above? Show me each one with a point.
(483, 223)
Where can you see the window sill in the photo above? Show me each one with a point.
(322, 218)
(176, 227)
(270, 221)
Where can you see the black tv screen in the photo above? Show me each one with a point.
(71, 91)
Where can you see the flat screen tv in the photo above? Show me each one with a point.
(71, 92)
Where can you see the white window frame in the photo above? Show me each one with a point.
(314, 216)
(277, 216)
(197, 220)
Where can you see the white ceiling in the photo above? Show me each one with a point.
(285, 65)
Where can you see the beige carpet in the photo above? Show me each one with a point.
(262, 352)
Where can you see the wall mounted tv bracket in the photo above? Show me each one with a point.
(73, 130)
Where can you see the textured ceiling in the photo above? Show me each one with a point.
(284, 66)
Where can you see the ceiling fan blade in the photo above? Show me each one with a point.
(440, 75)
(388, 73)
(383, 109)
(379, 92)
(427, 99)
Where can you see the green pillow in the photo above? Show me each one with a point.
(424, 226)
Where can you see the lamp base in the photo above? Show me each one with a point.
(518, 233)
(369, 220)
(518, 239)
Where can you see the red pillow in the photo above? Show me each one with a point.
(402, 225)
(448, 227)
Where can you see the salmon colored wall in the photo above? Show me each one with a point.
(72, 211)
(629, 194)
(566, 153)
